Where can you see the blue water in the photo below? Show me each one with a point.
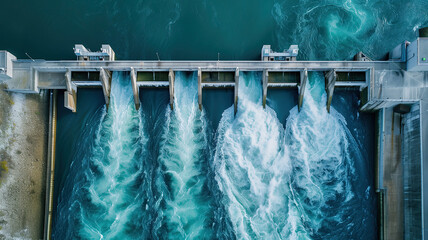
(253, 169)
(329, 181)
(105, 192)
(199, 30)
(184, 161)
(158, 173)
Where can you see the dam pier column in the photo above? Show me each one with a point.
(200, 88)
(171, 79)
(330, 81)
(105, 79)
(301, 87)
(265, 80)
(135, 88)
(236, 90)
(70, 96)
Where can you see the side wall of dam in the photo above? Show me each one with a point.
(391, 90)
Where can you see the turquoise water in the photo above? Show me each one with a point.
(329, 180)
(158, 173)
(184, 158)
(253, 169)
(102, 196)
(176, 29)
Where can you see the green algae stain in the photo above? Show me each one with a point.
(3, 167)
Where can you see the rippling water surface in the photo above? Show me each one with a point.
(177, 29)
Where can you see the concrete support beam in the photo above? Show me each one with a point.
(360, 56)
(135, 88)
(171, 79)
(236, 89)
(265, 79)
(330, 81)
(6, 65)
(50, 165)
(390, 175)
(35, 82)
(411, 153)
(200, 88)
(105, 79)
(70, 96)
(424, 161)
(302, 86)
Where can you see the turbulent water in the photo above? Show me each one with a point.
(104, 195)
(300, 183)
(328, 182)
(254, 179)
(253, 169)
(168, 174)
(151, 174)
(184, 160)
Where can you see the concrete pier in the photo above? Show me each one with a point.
(70, 96)
(200, 88)
(105, 79)
(236, 90)
(135, 88)
(330, 82)
(265, 79)
(302, 86)
(171, 79)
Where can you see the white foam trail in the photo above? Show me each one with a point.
(106, 201)
(253, 169)
(184, 159)
(323, 153)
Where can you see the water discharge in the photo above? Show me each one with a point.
(253, 169)
(103, 196)
(328, 181)
(259, 181)
(184, 159)
(302, 183)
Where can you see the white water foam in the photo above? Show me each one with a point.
(184, 159)
(106, 201)
(253, 169)
(323, 155)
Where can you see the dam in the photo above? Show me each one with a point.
(394, 91)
